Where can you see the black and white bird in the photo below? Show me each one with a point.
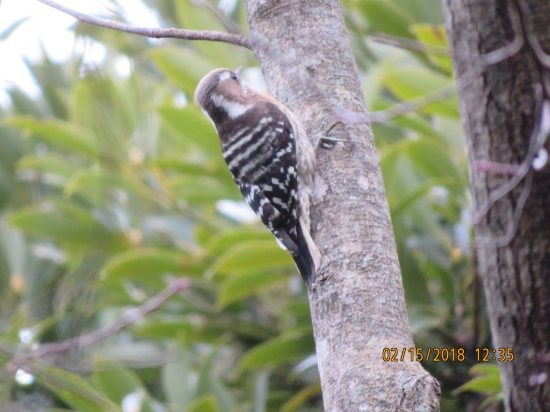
(270, 157)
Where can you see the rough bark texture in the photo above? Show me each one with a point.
(357, 306)
(499, 112)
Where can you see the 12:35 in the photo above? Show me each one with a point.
(500, 354)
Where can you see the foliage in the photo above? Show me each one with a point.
(112, 186)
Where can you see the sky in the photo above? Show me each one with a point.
(51, 28)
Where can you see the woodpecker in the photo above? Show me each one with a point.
(270, 157)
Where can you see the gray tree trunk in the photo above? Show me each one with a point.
(357, 306)
(500, 110)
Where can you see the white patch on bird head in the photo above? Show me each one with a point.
(224, 76)
(233, 109)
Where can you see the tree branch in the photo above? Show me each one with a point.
(357, 301)
(503, 123)
(99, 334)
(207, 35)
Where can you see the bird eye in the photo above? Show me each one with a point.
(233, 76)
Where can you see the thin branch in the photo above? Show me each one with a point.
(156, 33)
(410, 44)
(218, 14)
(538, 139)
(408, 107)
(496, 56)
(479, 63)
(99, 334)
(400, 109)
(412, 106)
(543, 57)
(496, 167)
(519, 172)
(487, 59)
(505, 239)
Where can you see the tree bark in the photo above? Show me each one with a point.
(357, 303)
(500, 110)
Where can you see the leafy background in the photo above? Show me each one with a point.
(111, 187)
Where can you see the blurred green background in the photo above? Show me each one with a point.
(111, 186)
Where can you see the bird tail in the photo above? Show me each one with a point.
(308, 259)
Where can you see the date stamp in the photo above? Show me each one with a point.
(446, 354)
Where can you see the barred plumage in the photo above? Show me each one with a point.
(270, 158)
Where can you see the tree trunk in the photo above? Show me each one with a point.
(357, 303)
(500, 111)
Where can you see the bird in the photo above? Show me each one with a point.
(270, 158)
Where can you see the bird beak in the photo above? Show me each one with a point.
(239, 71)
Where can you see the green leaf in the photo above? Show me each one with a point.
(372, 84)
(116, 380)
(73, 390)
(493, 399)
(443, 277)
(420, 322)
(418, 124)
(49, 163)
(51, 78)
(401, 179)
(11, 149)
(18, 320)
(182, 66)
(23, 104)
(301, 398)
(254, 256)
(202, 189)
(238, 287)
(299, 310)
(403, 205)
(143, 264)
(178, 378)
(488, 383)
(392, 162)
(96, 185)
(206, 403)
(184, 165)
(68, 224)
(412, 121)
(435, 36)
(194, 129)
(421, 10)
(384, 17)
(12, 27)
(96, 97)
(63, 134)
(409, 83)
(229, 238)
(210, 383)
(161, 329)
(433, 158)
(432, 35)
(247, 330)
(485, 369)
(278, 351)
(194, 17)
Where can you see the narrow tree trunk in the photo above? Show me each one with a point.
(500, 110)
(357, 306)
